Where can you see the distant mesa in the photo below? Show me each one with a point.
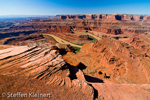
(107, 17)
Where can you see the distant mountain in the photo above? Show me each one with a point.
(4, 18)
(24, 16)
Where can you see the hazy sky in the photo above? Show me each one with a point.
(56, 7)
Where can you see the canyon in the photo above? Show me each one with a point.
(77, 57)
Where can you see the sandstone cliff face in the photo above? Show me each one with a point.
(106, 17)
(116, 61)
(140, 42)
(27, 39)
(107, 30)
(42, 65)
(135, 30)
(43, 70)
(134, 17)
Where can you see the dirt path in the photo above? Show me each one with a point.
(59, 40)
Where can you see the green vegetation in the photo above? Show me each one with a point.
(93, 39)
(77, 49)
(79, 44)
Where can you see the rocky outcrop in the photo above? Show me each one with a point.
(17, 39)
(5, 46)
(135, 30)
(27, 39)
(135, 17)
(45, 65)
(140, 42)
(66, 47)
(111, 91)
(112, 60)
(44, 70)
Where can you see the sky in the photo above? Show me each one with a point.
(59, 7)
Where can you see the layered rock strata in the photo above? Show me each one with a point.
(43, 70)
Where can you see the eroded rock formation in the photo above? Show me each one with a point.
(44, 70)
(116, 61)
(46, 65)
(106, 17)
(116, 67)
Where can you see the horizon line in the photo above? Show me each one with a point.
(73, 14)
